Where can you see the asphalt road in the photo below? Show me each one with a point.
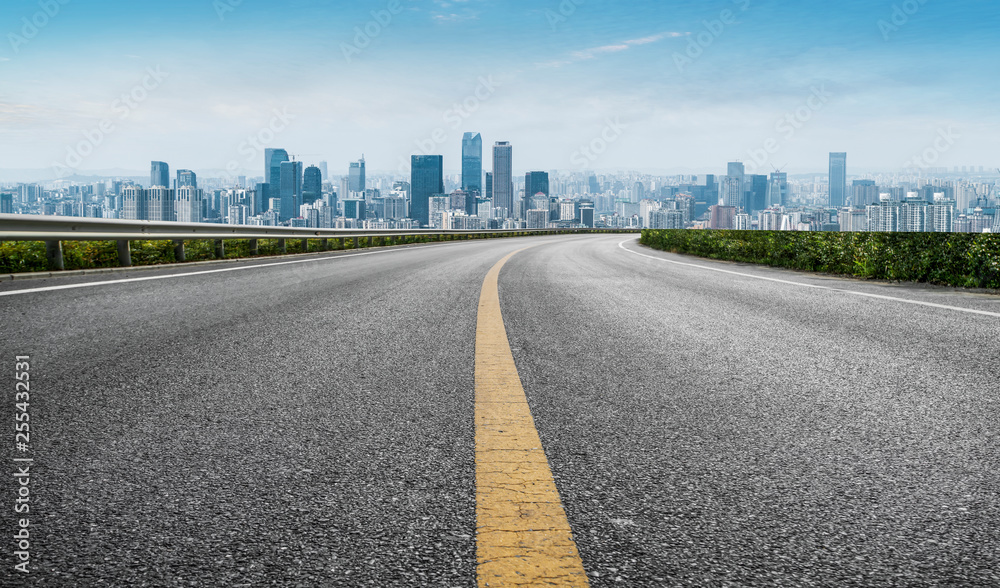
(311, 424)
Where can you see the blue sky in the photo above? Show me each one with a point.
(573, 84)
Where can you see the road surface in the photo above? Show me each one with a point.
(313, 423)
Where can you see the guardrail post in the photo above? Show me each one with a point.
(124, 253)
(357, 242)
(220, 249)
(179, 251)
(305, 246)
(254, 247)
(324, 244)
(283, 246)
(54, 255)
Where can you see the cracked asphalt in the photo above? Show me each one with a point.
(313, 424)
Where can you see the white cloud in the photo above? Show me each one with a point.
(595, 52)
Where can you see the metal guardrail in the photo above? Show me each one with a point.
(53, 230)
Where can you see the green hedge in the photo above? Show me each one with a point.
(952, 259)
(29, 256)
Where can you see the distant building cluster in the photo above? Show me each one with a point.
(884, 204)
(288, 193)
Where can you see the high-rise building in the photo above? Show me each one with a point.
(186, 178)
(426, 182)
(356, 176)
(324, 169)
(488, 187)
(291, 189)
(854, 220)
(273, 158)
(160, 204)
(187, 204)
(312, 185)
(472, 163)
(884, 217)
(722, 217)
(536, 183)
(838, 179)
(733, 190)
(503, 179)
(159, 174)
(777, 190)
(6, 204)
(757, 199)
(864, 192)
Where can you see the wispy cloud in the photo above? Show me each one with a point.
(595, 52)
(449, 15)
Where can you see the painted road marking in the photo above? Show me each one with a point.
(813, 286)
(522, 535)
(205, 272)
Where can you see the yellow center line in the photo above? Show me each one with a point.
(522, 535)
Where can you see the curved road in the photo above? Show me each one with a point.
(312, 423)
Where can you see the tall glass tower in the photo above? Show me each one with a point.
(159, 174)
(273, 158)
(472, 163)
(357, 176)
(777, 189)
(503, 179)
(426, 181)
(291, 189)
(535, 182)
(733, 186)
(312, 185)
(186, 179)
(838, 179)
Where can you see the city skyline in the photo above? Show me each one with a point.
(666, 86)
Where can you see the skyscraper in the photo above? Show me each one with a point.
(291, 189)
(159, 174)
(472, 163)
(488, 186)
(273, 158)
(838, 179)
(186, 178)
(777, 189)
(426, 181)
(312, 185)
(135, 203)
(864, 192)
(757, 199)
(503, 179)
(733, 191)
(356, 174)
(187, 204)
(535, 182)
(324, 168)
